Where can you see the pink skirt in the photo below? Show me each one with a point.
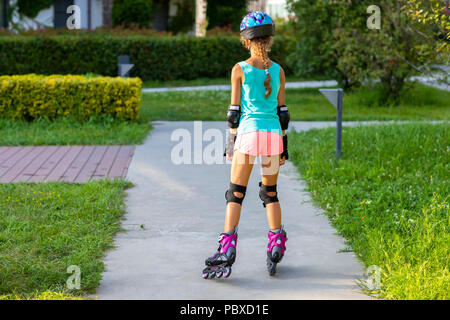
(259, 143)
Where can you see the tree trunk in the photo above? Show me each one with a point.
(107, 13)
(200, 18)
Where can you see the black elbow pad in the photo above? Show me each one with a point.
(283, 114)
(233, 116)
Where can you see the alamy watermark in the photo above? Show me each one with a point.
(74, 20)
(373, 281)
(374, 20)
(207, 147)
(74, 280)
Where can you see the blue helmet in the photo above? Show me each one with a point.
(257, 24)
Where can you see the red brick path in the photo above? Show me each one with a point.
(63, 163)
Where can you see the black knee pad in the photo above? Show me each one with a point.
(229, 194)
(264, 196)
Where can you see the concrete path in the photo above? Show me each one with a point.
(225, 87)
(175, 213)
(426, 80)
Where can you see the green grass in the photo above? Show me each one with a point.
(208, 82)
(304, 104)
(46, 227)
(100, 131)
(422, 103)
(388, 196)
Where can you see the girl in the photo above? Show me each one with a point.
(257, 118)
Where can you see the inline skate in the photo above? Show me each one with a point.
(219, 265)
(275, 249)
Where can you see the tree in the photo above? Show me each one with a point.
(433, 26)
(400, 48)
(133, 12)
(226, 13)
(334, 39)
(184, 19)
(107, 13)
(200, 18)
(313, 27)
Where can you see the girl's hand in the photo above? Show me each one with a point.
(282, 161)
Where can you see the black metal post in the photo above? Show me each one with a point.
(336, 96)
(339, 124)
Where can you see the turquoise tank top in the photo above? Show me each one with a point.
(257, 112)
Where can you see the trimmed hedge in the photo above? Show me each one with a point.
(155, 58)
(34, 96)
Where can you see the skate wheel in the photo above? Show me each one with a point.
(227, 272)
(271, 267)
(219, 274)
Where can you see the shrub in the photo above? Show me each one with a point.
(34, 96)
(131, 12)
(223, 13)
(334, 39)
(313, 26)
(154, 58)
(184, 19)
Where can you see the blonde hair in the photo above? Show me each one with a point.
(261, 47)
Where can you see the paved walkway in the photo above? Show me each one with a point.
(224, 87)
(63, 163)
(426, 80)
(175, 213)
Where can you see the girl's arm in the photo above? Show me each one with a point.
(236, 80)
(282, 91)
(282, 101)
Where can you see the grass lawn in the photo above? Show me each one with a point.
(304, 104)
(100, 131)
(46, 227)
(388, 196)
(209, 82)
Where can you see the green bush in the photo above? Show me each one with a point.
(35, 96)
(185, 17)
(133, 12)
(223, 13)
(154, 58)
(313, 26)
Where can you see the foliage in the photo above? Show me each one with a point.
(313, 27)
(34, 96)
(433, 18)
(388, 54)
(184, 19)
(224, 13)
(420, 103)
(392, 207)
(45, 295)
(31, 8)
(333, 37)
(133, 12)
(120, 30)
(154, 58)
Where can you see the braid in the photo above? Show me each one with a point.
(262, 48)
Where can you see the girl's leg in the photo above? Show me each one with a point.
(241, 168)
(270, 166)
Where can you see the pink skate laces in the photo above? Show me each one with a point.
(277, 240)
(227, 241)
